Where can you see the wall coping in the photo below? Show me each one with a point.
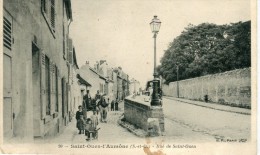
(215, 75)
(139, 100)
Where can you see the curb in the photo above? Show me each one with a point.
(243, 113)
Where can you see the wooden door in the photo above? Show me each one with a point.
(7, 77)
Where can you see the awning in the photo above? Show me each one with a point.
(82, 81)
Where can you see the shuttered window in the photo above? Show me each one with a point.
(70, 50)
(7, 33)
(53, 87)
(53, 14)
(43, 86)
(49, 13)
(47, 84)
(44, 8)
(57, 88)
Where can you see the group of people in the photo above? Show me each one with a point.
(88, 125)
(99, 105)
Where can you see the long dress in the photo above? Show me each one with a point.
(80, 123)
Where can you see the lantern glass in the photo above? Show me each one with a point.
(155, 25)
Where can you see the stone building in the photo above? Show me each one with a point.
(114, 79)
(77, 86)
(92, 77)
(134, 86)
(35, 63)
(125, 85)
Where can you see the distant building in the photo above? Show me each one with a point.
(92, 77)
(134, 86)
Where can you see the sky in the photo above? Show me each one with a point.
(118, 30)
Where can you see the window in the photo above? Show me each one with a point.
(57, 89)
(48, 11)
(53, 13)
(44, 9)
(47, 84)
(7, 34)
(64, 42)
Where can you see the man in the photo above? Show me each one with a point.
(103, 106)
(86, 104)
(87, 100)
(97, 100)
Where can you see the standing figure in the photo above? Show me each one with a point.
(94, 120)
(103, 112)
(113, 105)
(116, 104)
(81, 124)
(87, 99)
(97, 101)
(88, 128)
(79, 114)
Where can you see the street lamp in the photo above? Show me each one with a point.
(155, 27)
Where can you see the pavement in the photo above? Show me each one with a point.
(214, 106)
(180, 125)
(112, 132)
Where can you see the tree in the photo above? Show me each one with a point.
(207, 49)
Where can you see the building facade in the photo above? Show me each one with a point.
(92, 77)
(35, 52)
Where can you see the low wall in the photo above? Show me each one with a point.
(232, 87)
(138, 113)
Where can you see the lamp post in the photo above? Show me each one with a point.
(155, 27)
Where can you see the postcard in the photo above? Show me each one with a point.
(155, 77)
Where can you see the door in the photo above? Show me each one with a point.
(7, 77)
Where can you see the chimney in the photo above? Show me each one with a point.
(102, 61)
(87, 64)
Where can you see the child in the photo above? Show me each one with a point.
(88, 128)
(78, 114)
(81, 124)
(94, 120)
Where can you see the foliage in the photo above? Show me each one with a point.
(207, 49)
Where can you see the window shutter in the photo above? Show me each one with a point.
(67, 47)
(43, 85)
(63, 84)
(64, 42)
(7, 34)
(52, 14)
(70, 47)
(52, 82)
(59, 90)
(44, 6)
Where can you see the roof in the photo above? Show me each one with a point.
(82, 81)
(102, 77)
(93, 70)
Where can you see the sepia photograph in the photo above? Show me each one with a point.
(151, 77)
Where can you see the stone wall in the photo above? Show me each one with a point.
(232, 87)
(138, 113)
